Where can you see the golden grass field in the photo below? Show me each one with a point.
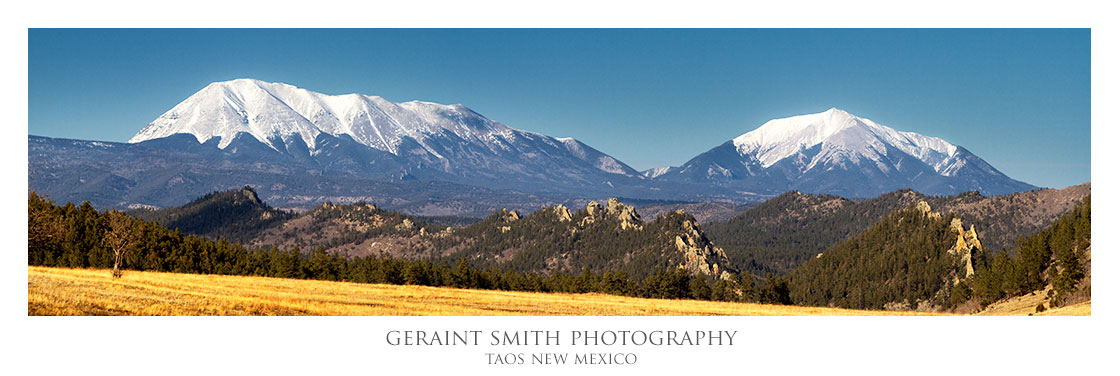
(1025, 305)
(62, 291)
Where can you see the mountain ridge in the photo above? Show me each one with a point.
(371, 137)
(298, 147)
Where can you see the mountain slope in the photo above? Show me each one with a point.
(170, 171)
(838, 153)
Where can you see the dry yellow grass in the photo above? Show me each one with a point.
(60, 291)
(1025, 305)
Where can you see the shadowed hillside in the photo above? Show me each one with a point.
(236, 215)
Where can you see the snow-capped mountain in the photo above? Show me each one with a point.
(839, 153)
(297, 146)
(271, 111)
(402, 140)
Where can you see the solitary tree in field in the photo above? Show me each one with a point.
(123, 235)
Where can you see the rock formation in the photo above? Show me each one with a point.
(625, 214)
(405, 225)
(562, 213)
(508, 216)
(593, 208)
(967, 245)
(926, 210)
(701, 257)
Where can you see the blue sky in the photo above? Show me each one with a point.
(1019, 99)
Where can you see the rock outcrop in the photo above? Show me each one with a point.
(593, 208)
(562, 213)
(926, 210)
(405, 225)
(701, 257)
(508, 216)
(967, 245)
(625, 214)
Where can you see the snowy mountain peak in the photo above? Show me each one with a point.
(279, 112)
(843, 137)
(425, 139)
(840, 153)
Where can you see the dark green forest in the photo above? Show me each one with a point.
(783, 233)
(901, 259)
(73, 236)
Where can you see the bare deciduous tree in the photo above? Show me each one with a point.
(122, 236)
(44, 228)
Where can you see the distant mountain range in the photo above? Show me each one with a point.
(299, 148)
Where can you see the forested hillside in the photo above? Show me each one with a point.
(596, 238)
(357, 229)
(783, 233)
(901, 262)
(236, 215)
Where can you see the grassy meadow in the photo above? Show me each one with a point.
(1026, 304)
(61, 291)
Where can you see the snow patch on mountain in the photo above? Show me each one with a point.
(656, 171)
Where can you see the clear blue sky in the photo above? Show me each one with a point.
(1020, 99)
